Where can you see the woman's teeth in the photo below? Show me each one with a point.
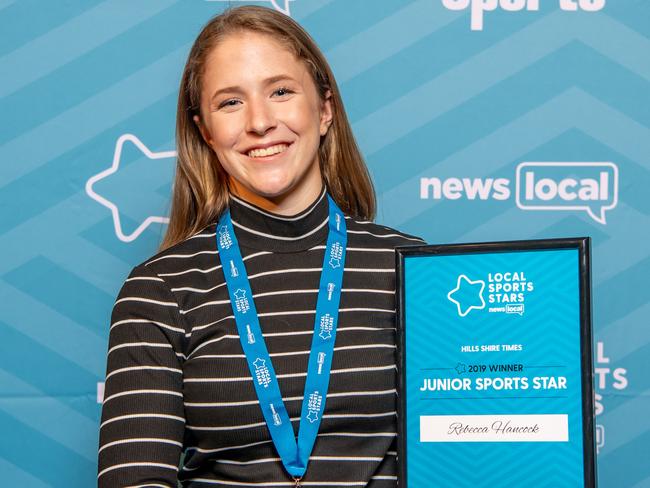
(260, 153)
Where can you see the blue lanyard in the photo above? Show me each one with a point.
(295, 456)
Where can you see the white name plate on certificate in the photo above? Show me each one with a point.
(494, 428)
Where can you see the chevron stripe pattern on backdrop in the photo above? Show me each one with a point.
(459, 112)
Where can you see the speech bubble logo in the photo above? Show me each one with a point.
(517, 308)
(583, 186)
(279, 5)
(600, 437)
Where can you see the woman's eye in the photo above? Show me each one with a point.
(228, 103)
(283, 91)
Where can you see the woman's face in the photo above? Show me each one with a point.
(263, 117)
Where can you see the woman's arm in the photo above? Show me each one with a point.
(142, 424)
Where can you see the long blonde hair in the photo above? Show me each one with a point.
(200, 191)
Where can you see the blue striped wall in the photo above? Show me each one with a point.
(428, 97)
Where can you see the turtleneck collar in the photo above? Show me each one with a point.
(263, 230)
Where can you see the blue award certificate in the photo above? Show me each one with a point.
(495, 357)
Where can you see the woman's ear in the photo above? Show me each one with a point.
(326, 114)
(204, 132)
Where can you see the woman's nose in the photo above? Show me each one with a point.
(260, 117)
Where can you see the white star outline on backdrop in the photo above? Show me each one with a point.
(276, 4)
(458, 286)
(115, 211)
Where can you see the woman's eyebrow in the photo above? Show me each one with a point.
(267, 81)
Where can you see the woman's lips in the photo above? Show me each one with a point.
(269, 153)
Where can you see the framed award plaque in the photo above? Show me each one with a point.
(495, 358)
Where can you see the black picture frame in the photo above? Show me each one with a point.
(583, 246)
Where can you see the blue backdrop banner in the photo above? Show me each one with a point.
(479, 120)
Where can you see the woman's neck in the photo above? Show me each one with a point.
(262, 229)
(288, 204)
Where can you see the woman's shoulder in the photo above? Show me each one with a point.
(196, 251)
(372, 234)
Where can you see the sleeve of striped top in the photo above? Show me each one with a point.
(142, 423)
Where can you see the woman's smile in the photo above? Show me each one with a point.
(269, 153)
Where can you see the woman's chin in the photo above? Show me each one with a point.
(271, 189)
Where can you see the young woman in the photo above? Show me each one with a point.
(260, 341)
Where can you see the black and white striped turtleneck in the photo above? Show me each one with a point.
(177, 378)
